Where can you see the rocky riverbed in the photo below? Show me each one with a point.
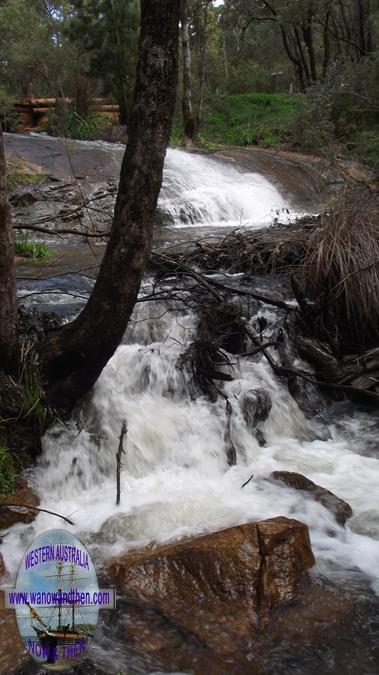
(266, 566)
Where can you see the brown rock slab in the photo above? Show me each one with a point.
(341, 509)
(22, 495)
(211, 590)
(12, 652)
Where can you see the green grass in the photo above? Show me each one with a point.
(30, 249)
(15, 177)
(8, 470)
(69, 124)
(245, 119)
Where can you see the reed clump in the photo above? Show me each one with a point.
(341, 269)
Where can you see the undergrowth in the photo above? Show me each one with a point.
(30, 249)
(8, 469)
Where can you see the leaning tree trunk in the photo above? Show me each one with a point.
(8, 302)
(188, 118)
(73, 357)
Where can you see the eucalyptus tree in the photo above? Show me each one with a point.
(73, 357)
(107, 31)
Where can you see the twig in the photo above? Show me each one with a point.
(120, 452)
(247, 481)
(36, 508)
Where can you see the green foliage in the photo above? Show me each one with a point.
(8, 119)
(15, 177)
(8, 469)
(34, 407)
(341, 112)
(248, 119)
(70, 125)
(108, 34)
(33, 54)
(30, 249)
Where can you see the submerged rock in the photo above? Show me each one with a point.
(340, 509)
(22, 495)
(256, 407)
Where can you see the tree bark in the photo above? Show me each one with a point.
(8, 302)
(202, 63)
(74, 356)
(188, 118)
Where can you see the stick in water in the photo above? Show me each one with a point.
(35, 508)
(120, 451)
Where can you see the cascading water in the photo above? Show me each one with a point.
(213, 192)
(175, 479)
(198, 190)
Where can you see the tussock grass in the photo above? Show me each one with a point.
(30, 249)
(342, 267)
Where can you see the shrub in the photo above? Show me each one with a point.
(342, 110)
(68, 123)
(8, 471)
(9, 120)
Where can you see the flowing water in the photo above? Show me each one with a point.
(175, 479)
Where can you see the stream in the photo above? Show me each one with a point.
(175, 479)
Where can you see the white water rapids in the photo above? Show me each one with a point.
(216, 193)
(175, 478)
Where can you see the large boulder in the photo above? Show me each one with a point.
(340, 509)
(12, 515)
(212, 589)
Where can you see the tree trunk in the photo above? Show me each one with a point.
(73, 357)
(226, 64)
(123, 115)
(202, 64)
(188, 118)
(8, 302)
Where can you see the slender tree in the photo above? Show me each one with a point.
(8, 303)
(73, 357)
(188, 118)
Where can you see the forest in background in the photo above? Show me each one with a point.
(281, 74)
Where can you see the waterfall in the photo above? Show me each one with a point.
(175, 479)
(213, 192)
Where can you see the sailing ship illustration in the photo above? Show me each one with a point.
(64, 644)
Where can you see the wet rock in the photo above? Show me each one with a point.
(3, 571)
(34, 324)
(340, 509)
(202, 585)
(12, 653)
(256, 407)
(162, 218)
(23, 494)
(24, 196)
